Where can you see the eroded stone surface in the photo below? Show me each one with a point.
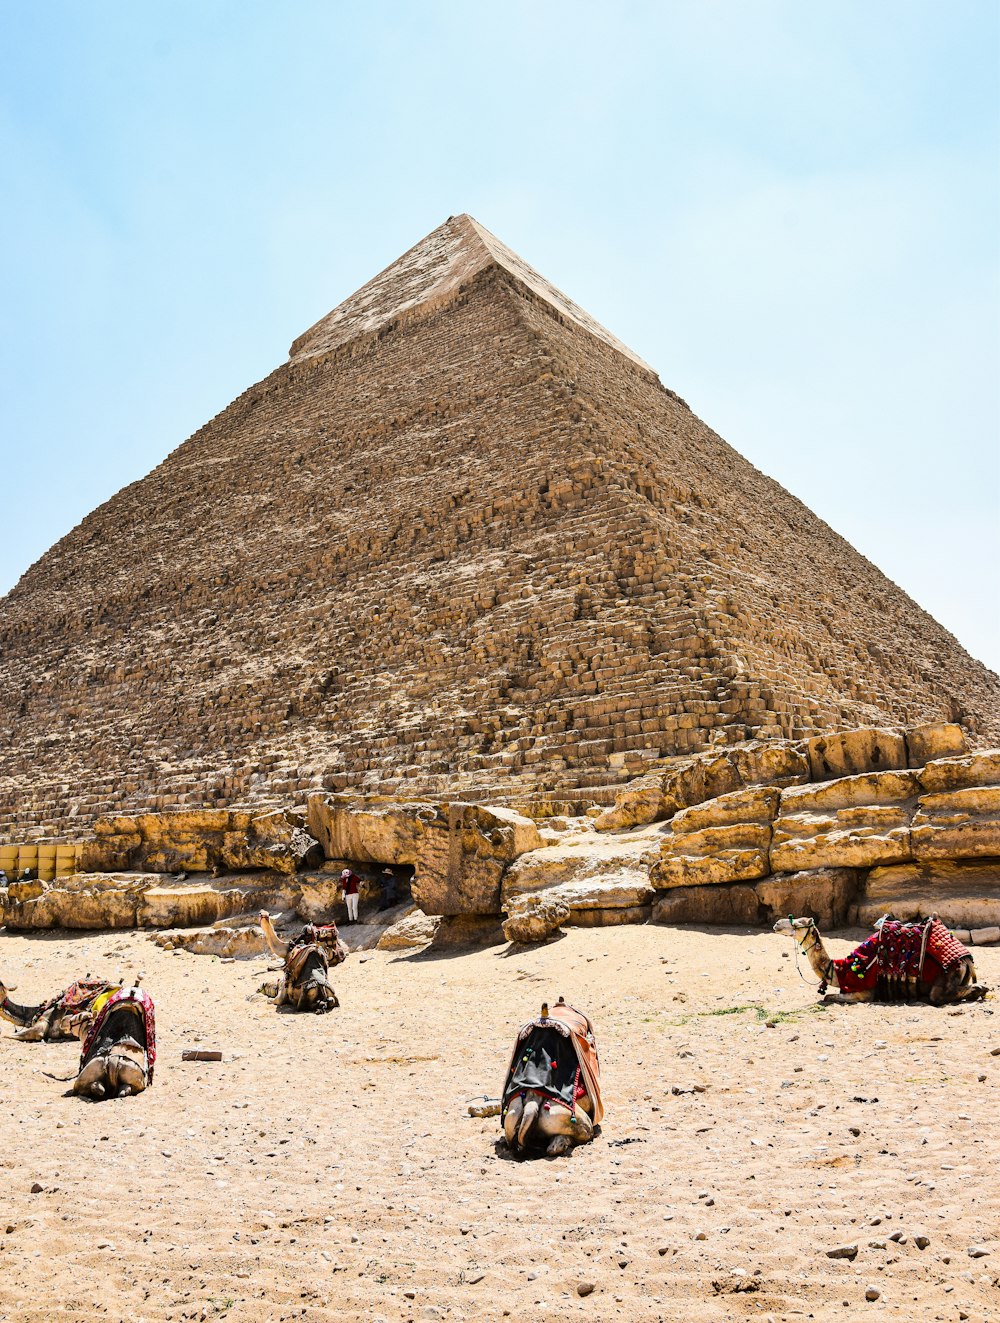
(962, 894)
(845, 753)
(200, 841)
(935, 739)
(959, 824)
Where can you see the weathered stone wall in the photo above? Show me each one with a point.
(474, 552)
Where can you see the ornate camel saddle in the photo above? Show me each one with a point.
(127, 1013)
(556, 1055)
(897, 955)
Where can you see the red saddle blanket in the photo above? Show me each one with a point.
(899, 951)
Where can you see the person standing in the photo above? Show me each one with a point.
(350, 885)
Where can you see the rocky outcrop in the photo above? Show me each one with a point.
(458, 851)
(200, 841)
(964, 893)
(856, 822)
(706, 776)
(144, 900)
(533, 917)
(416, 929)
(723, 841)
(848, 752)
(595, 877)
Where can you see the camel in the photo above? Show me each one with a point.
(120, 1048)
(899, 962)
(65, 1016)
(552, 1094)
(304, 983)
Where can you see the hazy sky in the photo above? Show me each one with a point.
(790, 210)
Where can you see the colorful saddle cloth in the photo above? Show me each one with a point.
(899, 954)
(141, 1004)
(82, 995)
(556, 1055)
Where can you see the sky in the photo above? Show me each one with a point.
(791, 211)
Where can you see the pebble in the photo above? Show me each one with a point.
(921, 1242)
(36, 1188)
(475, 1279)
(978, 1251)
(843, 1252)
(872, 1293)
(585, 1288)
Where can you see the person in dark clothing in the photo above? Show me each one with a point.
(388, 880)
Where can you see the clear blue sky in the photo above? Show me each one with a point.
(789, 209)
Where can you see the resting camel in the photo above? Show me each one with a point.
(304, 983)
(552, 1094)
(64, 1016)
(899, 962)
(120, 1048)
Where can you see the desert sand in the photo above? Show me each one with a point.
(327, 1168)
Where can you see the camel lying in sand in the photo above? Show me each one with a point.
(304, 981)
(899, 962)
(66, 1015)
(552, 1094)
(120, 1048)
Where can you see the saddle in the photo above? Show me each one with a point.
(898, 956)
(556, 1055)
(301, 961)
(128, 1016)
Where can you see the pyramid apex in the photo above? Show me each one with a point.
(428, 276)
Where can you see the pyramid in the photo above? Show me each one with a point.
(462, 543)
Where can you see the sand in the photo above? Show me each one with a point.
(327, 1168)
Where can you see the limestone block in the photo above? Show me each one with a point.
(707, 870)
(809, 842)
(985, 936)
(245, 943)
(824, 894)
(660, 794)
(771, 762)
(847, 752)
(756, 805)
(609, 918)
(596, 866)
(82, 900)
(723, 905)
(200, 841)
(459, 851)
(962, 894)
(974, 769)
(851, 792)
(172, 904)
(414, 930)
(463, 853)
(641, 801)
(960, 824)
(533, 917)
(458, 931)
(935, 739)
(368, 830)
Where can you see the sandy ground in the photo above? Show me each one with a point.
(327, 1169)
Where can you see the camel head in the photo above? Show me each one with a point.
(797, 928)
(6, 990)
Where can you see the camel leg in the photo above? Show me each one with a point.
(560, 1145)
(847, 998)
(512, 1121)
